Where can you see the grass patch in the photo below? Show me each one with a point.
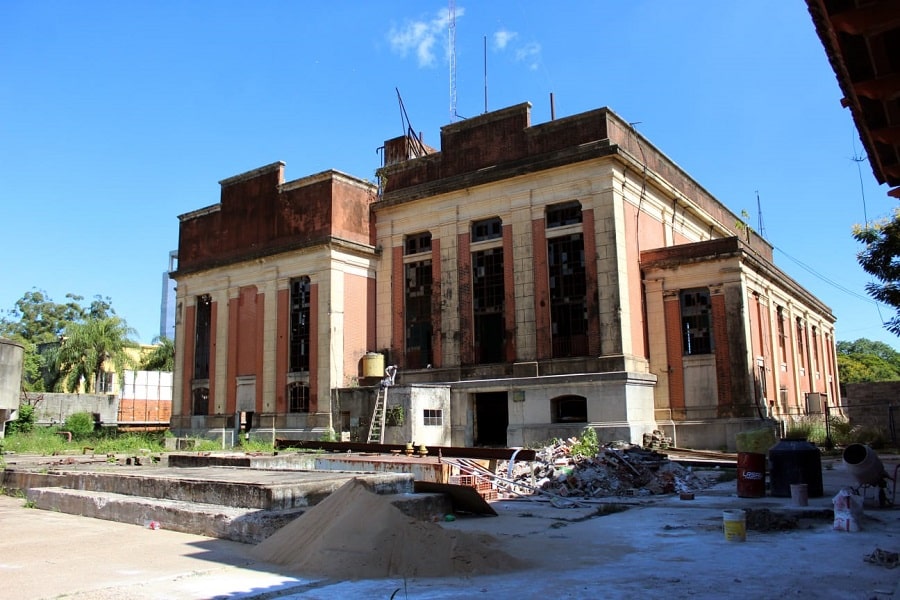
(49, 441)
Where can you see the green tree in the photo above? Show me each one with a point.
(39, 320)
(38, 323)
(881, 258)
(161, 357)
(866, 360)
(87, 346)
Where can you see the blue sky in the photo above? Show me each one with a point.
(116, 117)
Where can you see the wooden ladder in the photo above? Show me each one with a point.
(376, 427)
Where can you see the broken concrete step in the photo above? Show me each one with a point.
(238, 524)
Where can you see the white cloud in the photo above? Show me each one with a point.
(530, 54)
(503, 37)
(419, 37)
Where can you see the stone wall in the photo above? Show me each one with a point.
(871, 404)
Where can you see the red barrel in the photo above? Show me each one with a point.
(751, 475)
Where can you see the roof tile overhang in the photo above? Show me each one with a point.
(862, 41)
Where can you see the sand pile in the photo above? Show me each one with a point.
(357, 534)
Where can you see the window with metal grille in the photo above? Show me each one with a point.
(419, 242)
(298, 398)
(487, 304)
(299, 323)
(568, 295)
(696, 322)
(202, 335)
(487, 229)
(433, 417)
(418, 314)
(567, 213)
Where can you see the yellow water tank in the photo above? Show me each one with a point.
(373, 364)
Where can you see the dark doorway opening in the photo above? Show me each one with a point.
(491, 419)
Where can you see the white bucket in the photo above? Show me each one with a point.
(734, 523)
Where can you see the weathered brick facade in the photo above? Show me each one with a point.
(599, 233)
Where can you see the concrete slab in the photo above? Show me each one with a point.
(660, 548)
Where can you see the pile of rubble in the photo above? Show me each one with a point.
(617, 469)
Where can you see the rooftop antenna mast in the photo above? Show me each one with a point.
(451, 42)
(760, 227)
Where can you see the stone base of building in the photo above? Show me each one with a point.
(710, 434)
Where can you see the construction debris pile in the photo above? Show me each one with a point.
(617, 469)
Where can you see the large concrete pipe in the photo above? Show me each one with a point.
(864, 465)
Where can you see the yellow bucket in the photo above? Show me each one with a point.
(734, 523)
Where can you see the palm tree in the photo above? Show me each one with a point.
(91, 344)
(161, 358)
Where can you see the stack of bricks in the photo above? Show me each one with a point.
(481, 484)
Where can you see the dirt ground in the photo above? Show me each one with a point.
(660, 547)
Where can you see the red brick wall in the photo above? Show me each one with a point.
(187, 360)
(672, 312)
(146, 411)
(258, 217)
(357, 323)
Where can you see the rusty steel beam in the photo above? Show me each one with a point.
(448, 451)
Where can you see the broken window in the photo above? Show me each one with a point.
(487, 304)
(433, 417)
(418, 314)
(782, 341)
(568, 295)
(696, 322)
(200, 401)
(104, 382)
(487, 229)
(202, 335)
(419, 242)
(299, 334)
(569, 409)
(298, 398)
(560, 215)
